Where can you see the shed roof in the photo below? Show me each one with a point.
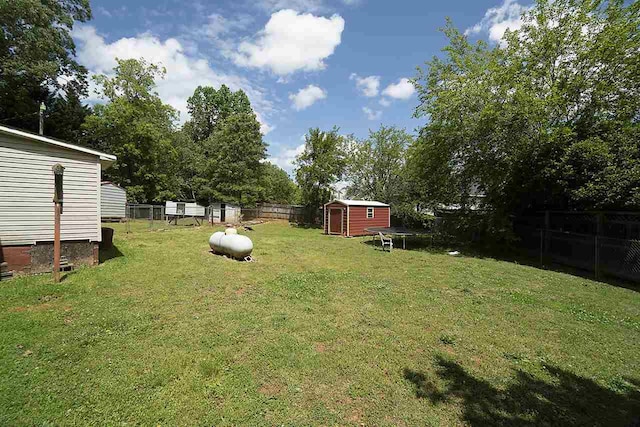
(105, 159)
(111, 183)
(359, 203)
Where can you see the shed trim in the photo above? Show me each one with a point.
(359, 203)
(348, 221)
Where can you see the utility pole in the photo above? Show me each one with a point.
(43, 108)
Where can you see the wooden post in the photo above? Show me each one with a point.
(58, 171)
(56, 245)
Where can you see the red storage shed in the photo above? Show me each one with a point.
(351, 217)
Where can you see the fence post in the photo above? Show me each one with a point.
(541, 247)
(596, 243)
(597, 257)
(547, 234)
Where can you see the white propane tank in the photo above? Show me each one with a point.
(234, 245)
(230, 230)
(214, 240)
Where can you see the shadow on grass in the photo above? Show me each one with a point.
(515, 255)
(567, 399)
(106, 254)
(66, 275)
(438, 245)
(307, 226)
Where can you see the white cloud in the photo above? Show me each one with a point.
(372, 114)
(292, 42)
(306, 97)
(265, 127)
(404, 89)
(286, 158)
(184, 72)
(384, 102)
(369, 86)
(117, 12)
(499, 19)
(218, 25)
(222, 32)
(102, 11)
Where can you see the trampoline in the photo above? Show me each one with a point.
(396, 232)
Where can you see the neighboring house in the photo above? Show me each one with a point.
(352, 217)
(113, 202)
(26, 200)
(476, 200)
(224, 212)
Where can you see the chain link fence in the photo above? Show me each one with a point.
(604, 243)
(154, 217)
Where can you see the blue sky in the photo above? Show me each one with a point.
(303, 63)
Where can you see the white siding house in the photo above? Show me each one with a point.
(27, 185)
(113, 201)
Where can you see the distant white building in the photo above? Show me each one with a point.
(113, 202)
(183, 209)
(224, 213)
(26, 206)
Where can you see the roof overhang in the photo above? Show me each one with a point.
(106, 160)
(369, 203)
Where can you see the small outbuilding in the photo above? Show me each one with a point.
(224, 213)
(26, 201)
(175, 210)
(113, 202)
(352, 217)
(187, 209)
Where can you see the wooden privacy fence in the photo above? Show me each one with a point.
(605, 243)
(292, 213)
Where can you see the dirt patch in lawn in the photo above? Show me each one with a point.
(270, 389)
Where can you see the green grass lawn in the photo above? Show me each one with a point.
(320, 330)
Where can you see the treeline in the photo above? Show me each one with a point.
(218, 155)
(546, 119)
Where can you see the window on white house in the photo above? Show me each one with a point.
(369, 213)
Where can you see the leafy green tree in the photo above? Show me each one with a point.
(137, 127)
(64, 117)
(221, 159)
(319, 167)
(375, 168)
(277, 186)
(208, 107)
(190, 166)
(37, 54)
(234, 150)
(547, 119)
